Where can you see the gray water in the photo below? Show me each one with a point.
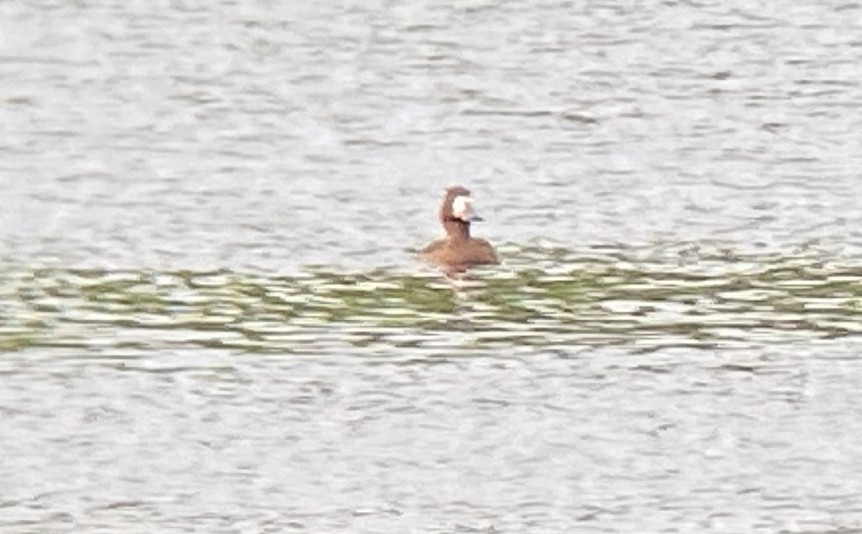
(213, 317)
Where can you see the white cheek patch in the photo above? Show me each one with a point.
(462, 207)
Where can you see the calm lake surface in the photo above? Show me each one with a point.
(213, 319)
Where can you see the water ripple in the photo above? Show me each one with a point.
(644, 299)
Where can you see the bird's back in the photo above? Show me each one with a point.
(461, 253)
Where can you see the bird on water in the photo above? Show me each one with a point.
(458, 251)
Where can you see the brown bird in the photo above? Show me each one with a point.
(458, 251)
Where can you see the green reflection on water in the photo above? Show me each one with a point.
(643, 299)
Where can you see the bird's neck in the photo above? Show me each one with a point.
(457, 229)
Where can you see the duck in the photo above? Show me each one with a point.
(458, 251)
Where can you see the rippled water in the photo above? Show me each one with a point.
(640, 300)
(213, 317)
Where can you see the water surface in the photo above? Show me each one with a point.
(213, 318)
